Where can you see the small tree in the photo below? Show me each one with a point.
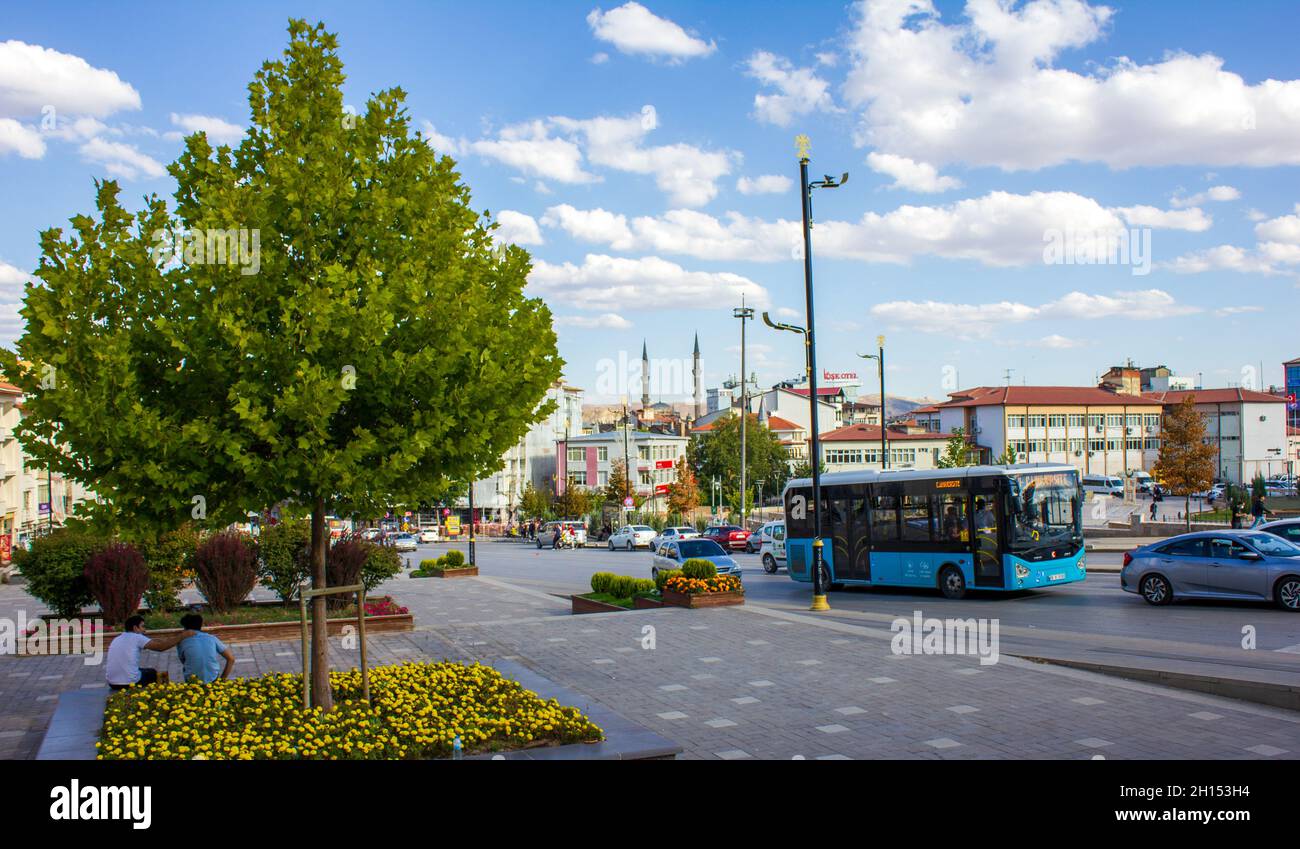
(957, 452)
(117, 576)
(574, 502)
(285, 552)
(1186, 462)
(684, 491)
(167, 555)
(618, 486)
(535, 502)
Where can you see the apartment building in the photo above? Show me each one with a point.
(1097, 430)
(857, 447)
(1247, 428)
(588, 460)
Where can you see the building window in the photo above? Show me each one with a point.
(577, 455)
(1077, 444)
(1077, 419)
(1096, 420)
(1015, 421)
(1056, 445)
(1112, 445)
(602, 453)
(1152, 443)
(578, 478)
(1057, 420)
(1115, 420)
(1096, 445)
(1151, 420)
(1038, 421)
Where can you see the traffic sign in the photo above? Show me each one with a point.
(453, 526)
(629, 502)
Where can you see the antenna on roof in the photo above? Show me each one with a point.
(1008, 375)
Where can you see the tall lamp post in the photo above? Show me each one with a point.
(879, 357)
(745, 314)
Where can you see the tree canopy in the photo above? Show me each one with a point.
(716, 453)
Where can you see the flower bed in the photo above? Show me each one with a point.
(716, 591)
(610, 593)
(450, 565)
(417, 711)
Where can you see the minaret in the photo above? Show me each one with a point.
(645, 378)
(699, 385)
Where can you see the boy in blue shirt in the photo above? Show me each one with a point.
(201, 654)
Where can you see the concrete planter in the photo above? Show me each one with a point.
(590, 605)
(694, 600)
(466, 572)
(643, 603)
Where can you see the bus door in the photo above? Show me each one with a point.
(855, 564)
(987, 550)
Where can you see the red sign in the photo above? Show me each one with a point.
(661, 489)
(6, 548)
(663, 464)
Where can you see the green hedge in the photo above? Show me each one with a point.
(620, 586)
(452, 560)
(662, 577)
(699, 569)
(55, 568)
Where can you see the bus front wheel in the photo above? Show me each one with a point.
(952, 583)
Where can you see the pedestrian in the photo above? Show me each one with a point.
(122, 666)
(1154, 502)
(1259, 510)
(201, 654)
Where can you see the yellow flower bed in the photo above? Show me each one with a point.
(417, 710)
(716, 584)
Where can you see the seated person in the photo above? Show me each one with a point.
(122, 666)
(201, 654)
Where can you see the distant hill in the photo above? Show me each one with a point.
(896, 405)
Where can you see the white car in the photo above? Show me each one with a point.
(674, 534)
(773, 551)
(429, 534)
(403, 542)
(632, 537)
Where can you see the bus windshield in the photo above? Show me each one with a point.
(1044, 509)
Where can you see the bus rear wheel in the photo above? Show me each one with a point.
(952, 582)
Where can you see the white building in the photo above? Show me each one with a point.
(857, 447)
(792, 406)
(532, 460)
(651, 458)
(1247, 429)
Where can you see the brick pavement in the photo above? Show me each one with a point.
(751, 682)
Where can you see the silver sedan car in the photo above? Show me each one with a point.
(671, 555)
(1247, 565)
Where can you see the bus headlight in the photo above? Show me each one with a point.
(1022, 571)
(1083, 562)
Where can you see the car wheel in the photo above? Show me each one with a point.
(769, 564)
(631, 546)
(1156, 590)
(1287, 593)
(611, 545)
(539, 544)
(952, 582)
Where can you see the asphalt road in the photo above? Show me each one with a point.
(1095, 613)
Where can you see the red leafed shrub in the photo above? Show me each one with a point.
(117, 577)
(343, 565)
(225, 569)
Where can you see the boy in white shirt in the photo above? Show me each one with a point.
(122, 666)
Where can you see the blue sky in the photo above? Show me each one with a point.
(645, 155)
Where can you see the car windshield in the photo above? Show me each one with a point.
(1045, 509)
(683, 530)
(642, 528)
(1271, 545)
(700, 548)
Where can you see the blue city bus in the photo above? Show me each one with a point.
(975, 527)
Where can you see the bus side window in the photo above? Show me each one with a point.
(884, 518)
(950, 519)
(916, 518)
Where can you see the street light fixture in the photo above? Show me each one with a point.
(879, 357)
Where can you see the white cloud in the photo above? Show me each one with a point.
(444, 145)
(1055, 341)
(219, 131)
(985, 90)
(766, 184)
(530, 148)
(122, 160)
(1214, 193)
(979, 321)
(828, 59)
(33, 78)
(12, 286)
(1277, 251)
(907, 174)
(599, 58)
(517, 228)
(635, 30)
(1223, 312)
(605, 283)
(20, 139)
(799, 91)
(999, 229)
(608, 321)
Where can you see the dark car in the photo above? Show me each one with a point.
(727, 536)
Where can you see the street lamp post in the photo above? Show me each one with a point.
(879, 357)
(810, 359)
(745, 314)
(759, 503)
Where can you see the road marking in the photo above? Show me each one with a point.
(1290, 649)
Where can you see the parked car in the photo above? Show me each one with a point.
(370, 534)
(1104, 485)
(772, 554)
(671, 555)
(429, 534)
(550, 532)
(1287, 529)
(674, 534)
(730, 537)
(632, 537)
(1216, 564)
(755, 541)
(403, 542)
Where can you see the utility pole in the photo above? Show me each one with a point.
(471, 517)
(744, 314)
(879, 357)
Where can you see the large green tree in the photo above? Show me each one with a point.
(373, 347)
(716, 453)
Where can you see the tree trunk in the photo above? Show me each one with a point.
(320, 655)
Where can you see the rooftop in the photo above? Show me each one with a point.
(1017, 396)
(871, 433)
(1232, 395)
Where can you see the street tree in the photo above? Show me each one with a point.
(716, 454)
(1186, 462)
(684, 491)
(352, 337)
(957, 452)
(535, 503)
